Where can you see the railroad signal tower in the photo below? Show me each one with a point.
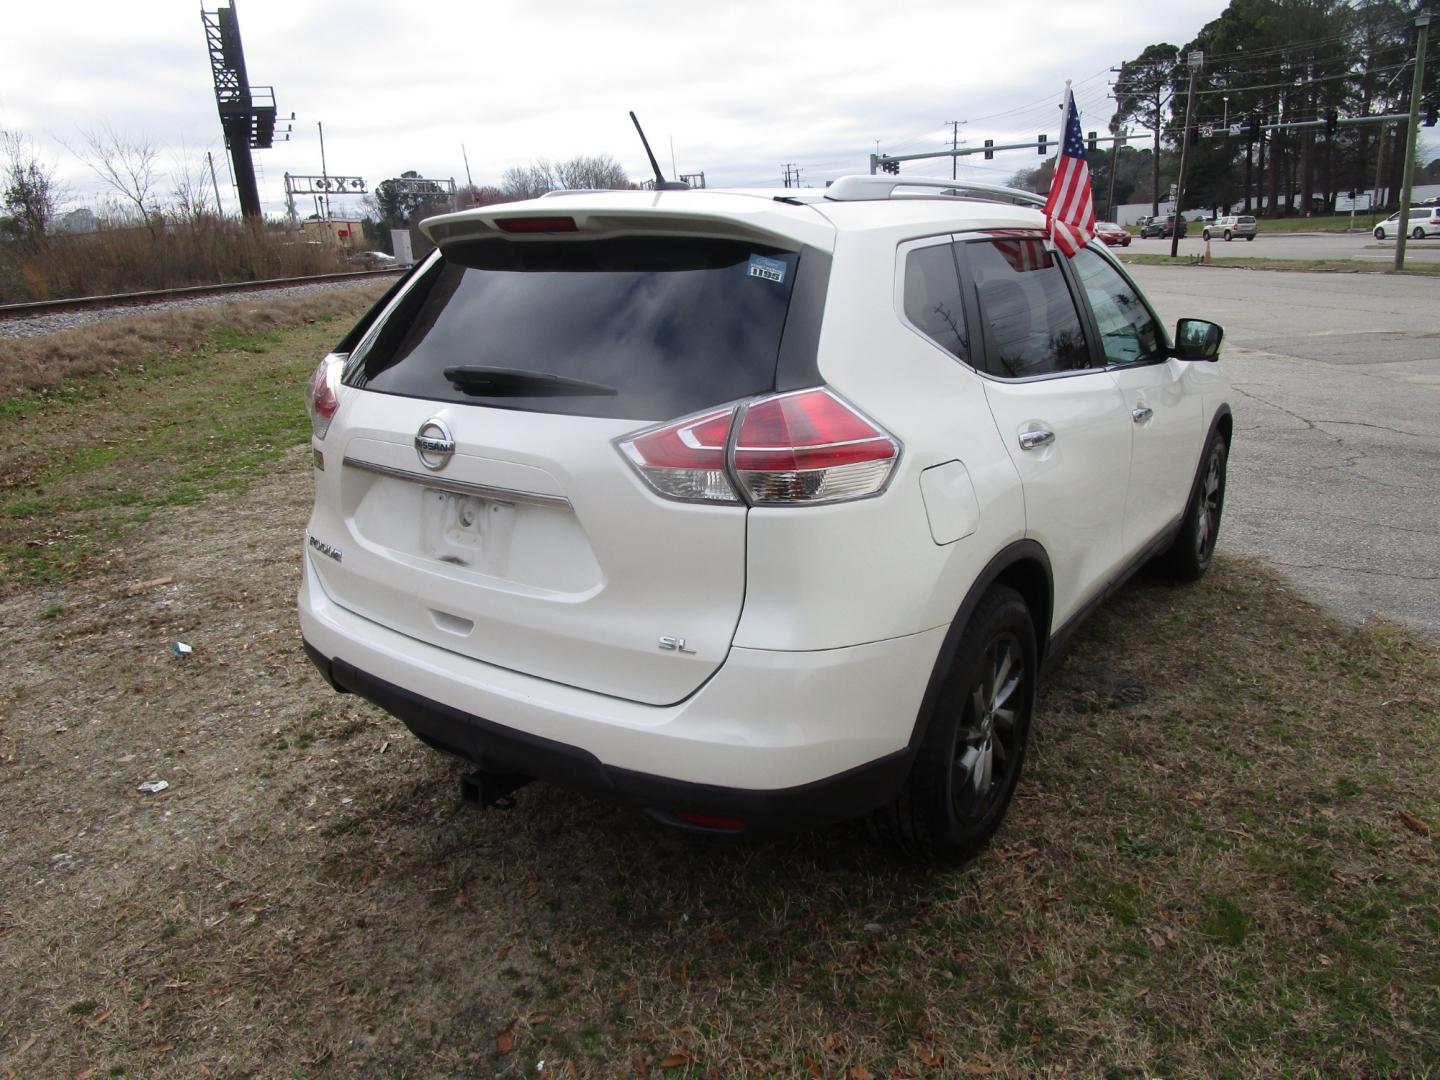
(247, 113)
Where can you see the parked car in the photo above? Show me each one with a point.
(750, 510)
(1163, 227)
(1113, 235)
(1241, 225)
(1424, 221)
(373, 260)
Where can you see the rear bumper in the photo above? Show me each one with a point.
(773, 738)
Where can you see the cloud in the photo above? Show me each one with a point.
(741, 88)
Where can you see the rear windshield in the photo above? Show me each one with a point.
(1245, 221)
(640, 328)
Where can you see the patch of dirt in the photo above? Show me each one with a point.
(1183, 884)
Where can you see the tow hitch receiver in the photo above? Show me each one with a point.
(487, 789)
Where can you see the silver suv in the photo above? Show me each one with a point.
(1235, 225)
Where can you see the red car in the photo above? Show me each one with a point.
(1112, 234)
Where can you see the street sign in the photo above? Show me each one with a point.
(1207, 130)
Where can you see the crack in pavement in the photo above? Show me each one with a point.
(1355, 570)
(1377, 427)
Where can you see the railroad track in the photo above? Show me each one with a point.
(192, 292)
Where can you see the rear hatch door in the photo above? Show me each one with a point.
(531, 543)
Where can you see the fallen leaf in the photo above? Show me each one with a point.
(141, 586)
(505, 1041)
(859, 1072)
(162, 1047)
(931, 1058)
(1414, 824)
(814, 1069)
(675, 1060)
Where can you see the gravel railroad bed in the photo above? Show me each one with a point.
(37, 325)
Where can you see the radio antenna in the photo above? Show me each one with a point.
(661, 184)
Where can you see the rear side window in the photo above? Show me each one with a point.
(640, 328)
(932, 298)
(1030, 323)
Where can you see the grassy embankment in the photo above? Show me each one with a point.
(1224, 859)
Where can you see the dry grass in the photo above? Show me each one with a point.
(163, 255)
(1223, 861)
(45, 362)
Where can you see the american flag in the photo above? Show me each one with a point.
(1024, 255)
(1069, 211)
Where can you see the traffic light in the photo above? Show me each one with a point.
(1090, 139)
(890, 166)
(1332, 123)
(1043, 148)
(989, 153)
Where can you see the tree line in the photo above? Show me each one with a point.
(1269, 62)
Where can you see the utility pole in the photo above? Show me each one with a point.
(324, 176)
(470, 183)
(1114, 160)
(1379, 168)
(1407, 178)
(1195, 60)
(954, 145)
(219, 206)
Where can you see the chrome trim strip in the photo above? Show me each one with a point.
(460, 487)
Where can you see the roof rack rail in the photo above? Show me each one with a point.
(862, 188)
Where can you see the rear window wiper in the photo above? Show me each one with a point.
(501, 381)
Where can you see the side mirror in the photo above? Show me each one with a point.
(1198, 339)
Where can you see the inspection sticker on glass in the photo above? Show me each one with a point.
(769, 269)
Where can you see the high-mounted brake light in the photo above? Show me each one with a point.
(322, 393)
(807, 446)
(550, 223)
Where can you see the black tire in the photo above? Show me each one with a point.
(1227, 236)
(954, 798)
(1417, 233)
(1190, 555)
(1250, 237)
(1379, 233)
(1206, 235)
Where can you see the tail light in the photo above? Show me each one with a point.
(807, 446)
(322, 394)
(686, 459)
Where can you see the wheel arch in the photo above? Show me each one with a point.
(1023, 566)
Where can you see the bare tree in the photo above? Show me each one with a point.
(584, 171)
(29, 191)
(191, 191)
(127, 164)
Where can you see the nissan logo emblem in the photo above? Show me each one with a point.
(434, 444)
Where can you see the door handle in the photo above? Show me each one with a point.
(1033, 440)
(1141, 413)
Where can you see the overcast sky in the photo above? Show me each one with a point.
(741, 88)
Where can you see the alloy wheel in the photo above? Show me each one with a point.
(987, 747)
(1207, 520)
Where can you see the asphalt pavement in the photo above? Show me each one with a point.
(1335, 469)
(1268, 245)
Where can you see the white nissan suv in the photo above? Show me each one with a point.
(749, 509)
